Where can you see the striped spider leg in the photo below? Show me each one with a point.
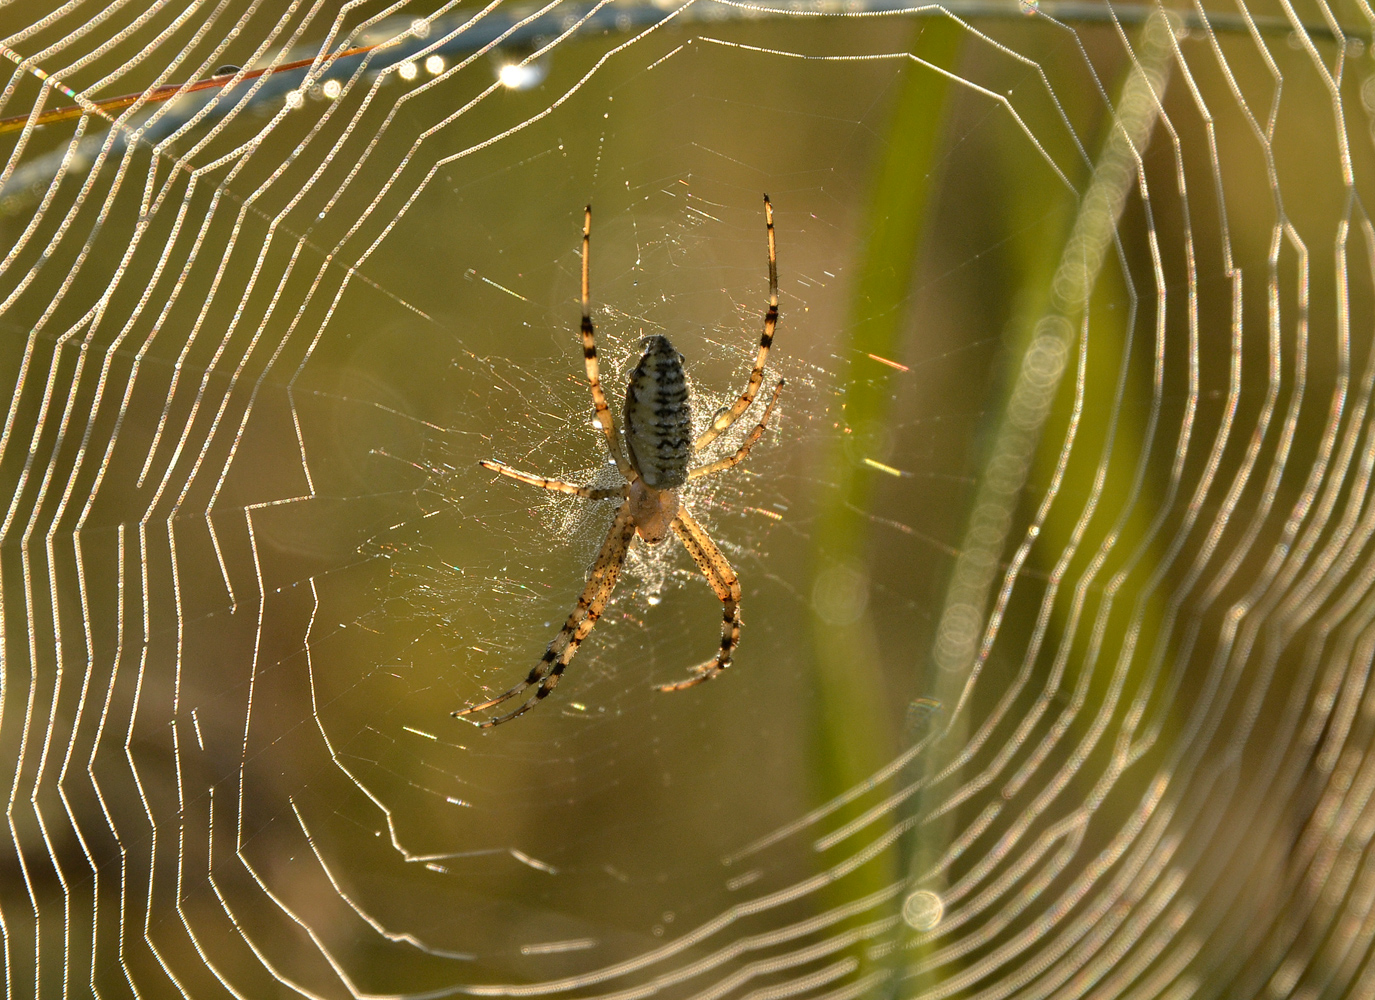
(655, 458)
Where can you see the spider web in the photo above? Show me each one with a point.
(1056, 560)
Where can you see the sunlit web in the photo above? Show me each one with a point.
(1057, 567)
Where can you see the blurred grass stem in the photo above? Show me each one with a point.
(851, 734)
(1056, 307)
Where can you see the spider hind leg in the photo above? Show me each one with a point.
(727, 586)
(591, 603)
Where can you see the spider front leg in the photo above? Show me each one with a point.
(724, 419)
(727, 586)
(591, 604)
(589, 357)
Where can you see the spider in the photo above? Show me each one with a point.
(655, 463)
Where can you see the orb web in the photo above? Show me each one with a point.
(1056, 558)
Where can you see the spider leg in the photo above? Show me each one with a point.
(728, 417)
(727, 586)
(586, 492)
(589, 356)
(591, 604)
(744, 449)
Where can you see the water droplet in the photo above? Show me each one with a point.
(923, 910)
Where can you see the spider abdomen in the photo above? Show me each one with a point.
(658, 416)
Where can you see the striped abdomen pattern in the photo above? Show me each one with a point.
(658, 417)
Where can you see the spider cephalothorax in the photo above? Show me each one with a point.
(656, 461)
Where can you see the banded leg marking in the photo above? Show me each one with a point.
(727, 586)
(724, 420)
(591, 603)
(589, 356)
(744, 449)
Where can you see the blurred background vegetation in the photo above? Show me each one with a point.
(1054, 563)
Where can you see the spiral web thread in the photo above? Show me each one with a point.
(1144, 768)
